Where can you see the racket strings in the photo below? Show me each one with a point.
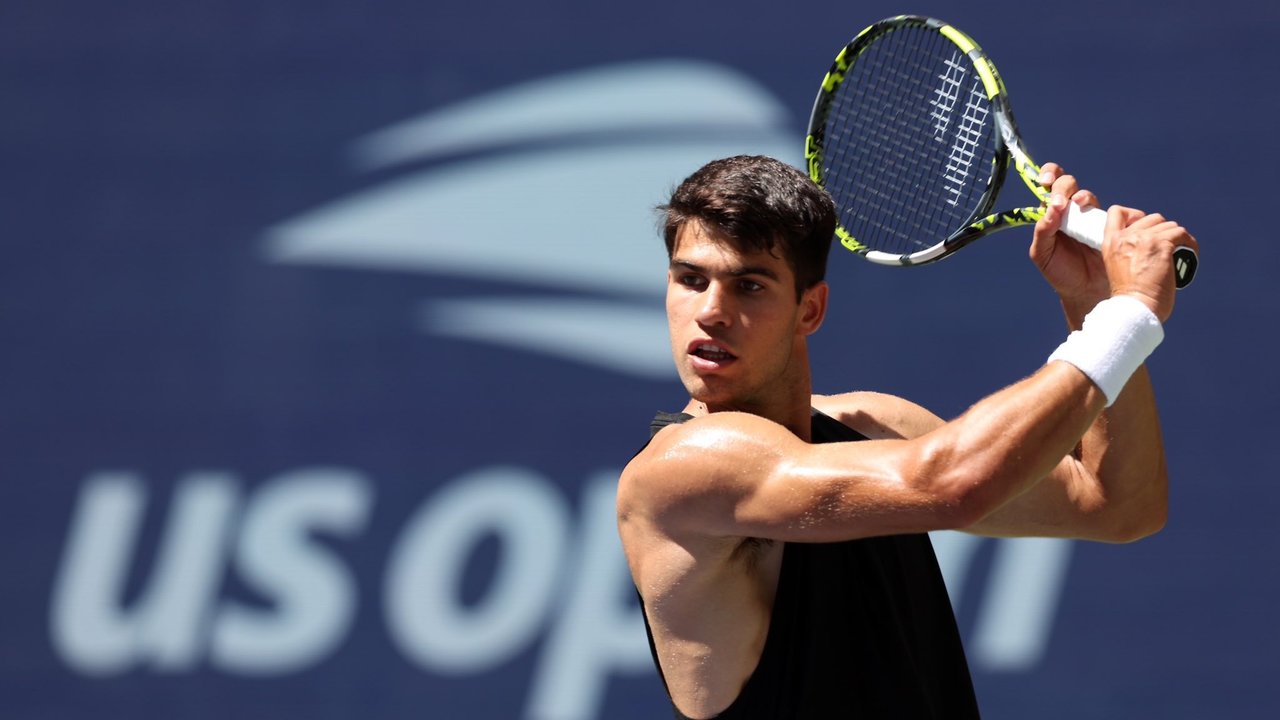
(873, 112)
(909, 142)
(884, 157)
(882, 211)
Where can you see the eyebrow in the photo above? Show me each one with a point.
(741, 271)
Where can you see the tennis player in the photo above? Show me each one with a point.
(777, 537)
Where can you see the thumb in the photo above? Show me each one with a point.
(1044, 236)
(1119, 218)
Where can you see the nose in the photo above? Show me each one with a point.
(715, 306)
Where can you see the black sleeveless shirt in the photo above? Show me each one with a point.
(860, 629)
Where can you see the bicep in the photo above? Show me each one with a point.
(751, 478)
(842, 491)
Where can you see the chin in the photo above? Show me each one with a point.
(711, 395)
(699, 390)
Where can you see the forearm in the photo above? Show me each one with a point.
(1009, 441)
(1111, 487)
(1124, 448)
(1124, 452)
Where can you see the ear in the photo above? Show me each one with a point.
(813, 308)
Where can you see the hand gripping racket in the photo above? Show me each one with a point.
(912, 134)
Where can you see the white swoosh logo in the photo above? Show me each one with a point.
(570, 218)
(658, 94)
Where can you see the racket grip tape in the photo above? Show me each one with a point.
(1088, 228)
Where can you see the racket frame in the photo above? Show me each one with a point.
(1008, 145)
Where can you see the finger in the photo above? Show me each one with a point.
(1117, 220)
(1154, 230)
(1066, 185)
(1085, 199)
(1120, 217)
(1044, 235)
(1175, 235)
(1188, 240)
(1055, 212)
(1149, 221)
(1049, 172)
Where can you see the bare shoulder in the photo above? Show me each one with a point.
(879, 416)
(676, 499)
(691, 458)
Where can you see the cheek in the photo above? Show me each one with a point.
(675, 310)
(772, 323)
(678, 320)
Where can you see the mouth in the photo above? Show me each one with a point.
(710, 355)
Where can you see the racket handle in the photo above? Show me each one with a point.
(1088, 227)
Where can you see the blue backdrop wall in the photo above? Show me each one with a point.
(326, 327)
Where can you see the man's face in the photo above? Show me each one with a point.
(735, 322)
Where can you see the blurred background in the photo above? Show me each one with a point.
(326, 327)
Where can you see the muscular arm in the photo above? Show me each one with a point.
(736, 475)
(1113, 486)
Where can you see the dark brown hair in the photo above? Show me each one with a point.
(757, 203)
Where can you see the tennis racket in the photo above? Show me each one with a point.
(912, 135)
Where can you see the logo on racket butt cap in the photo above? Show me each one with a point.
(1184, 266)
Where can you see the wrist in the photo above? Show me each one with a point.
(1114, 340)
(1075, 311)
(1076, 307)
(1147, 301)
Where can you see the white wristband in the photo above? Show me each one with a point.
(1117, 336)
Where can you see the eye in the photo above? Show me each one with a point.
(691, 280)
(750, 286)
